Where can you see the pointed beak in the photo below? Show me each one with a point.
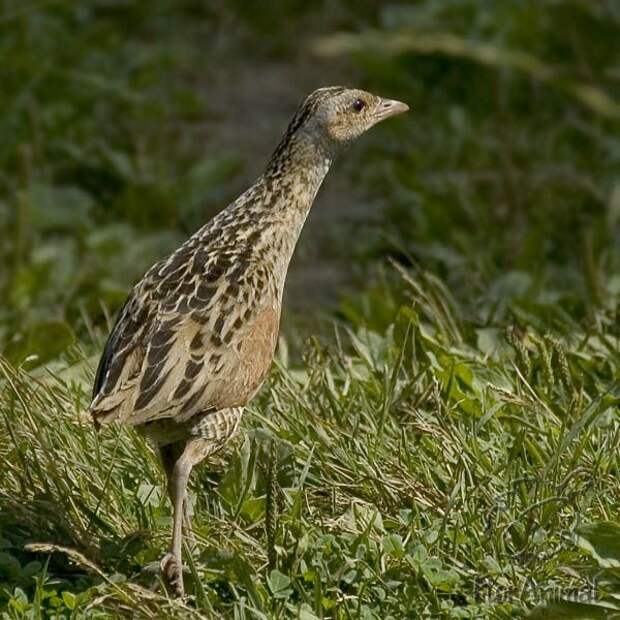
(389, 107)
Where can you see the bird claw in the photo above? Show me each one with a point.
(172, 571)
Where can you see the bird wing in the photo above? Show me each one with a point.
(175, 340)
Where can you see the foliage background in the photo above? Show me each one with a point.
(455, 422)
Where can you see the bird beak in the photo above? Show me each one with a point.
(389, 107)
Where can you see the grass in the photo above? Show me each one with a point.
(448, 447)
(430, 470)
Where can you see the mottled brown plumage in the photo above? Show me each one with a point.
(196, 337)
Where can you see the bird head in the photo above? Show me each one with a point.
(339, 114)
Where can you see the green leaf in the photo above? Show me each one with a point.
(31, 569)
(393, 545)
(279, 584)
(253, 509)
(601, 541)
(19, 602)
(69, 599)
(10, 567)
(306, 613)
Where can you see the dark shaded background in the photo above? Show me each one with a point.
(125, 125)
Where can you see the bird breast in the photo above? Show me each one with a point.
(256, 347)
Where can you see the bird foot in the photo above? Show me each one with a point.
(172, 571)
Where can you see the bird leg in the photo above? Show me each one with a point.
(187, 525)
(178, 476)
(169, 455)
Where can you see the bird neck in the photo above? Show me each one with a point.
(295, 174)
(282, 198)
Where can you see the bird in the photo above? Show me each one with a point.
(196, 337)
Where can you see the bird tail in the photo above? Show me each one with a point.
(98, 417)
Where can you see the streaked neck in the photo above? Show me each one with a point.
(296, 171)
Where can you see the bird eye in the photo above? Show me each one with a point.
(358, 105)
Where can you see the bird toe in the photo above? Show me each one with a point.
(172, 571)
